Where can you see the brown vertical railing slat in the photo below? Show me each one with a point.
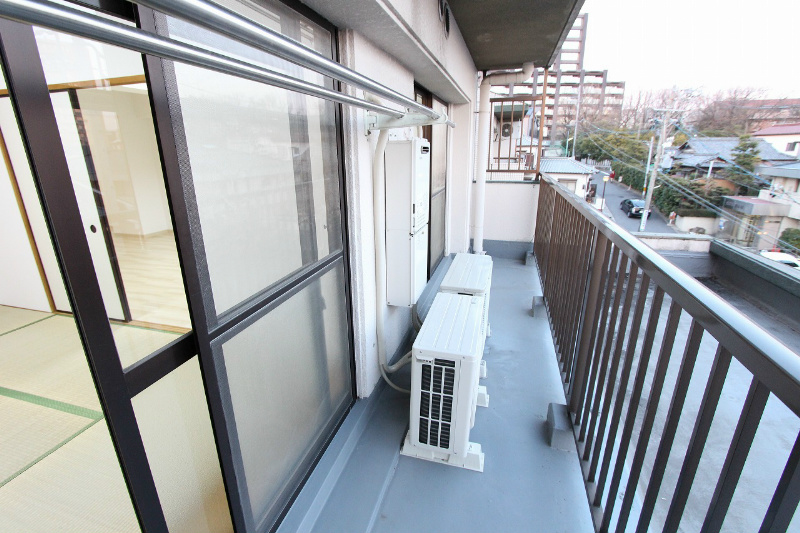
(697, 443)
(627, 368)
(633, 406)
(572, 253)
(541, 243)
(582, 268)
(743, 437)
(612, 373)
(671, 425)
(598, 341)
(787, 495)
(589, 325)
(650, 415)
(552, 257)
(602, 374)
(557, 263)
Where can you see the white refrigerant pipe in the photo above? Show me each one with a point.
(379, 217)
(484, 123)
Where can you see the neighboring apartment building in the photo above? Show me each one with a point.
(569, 83)
(783, 137)
(763, 113)
(190, 295)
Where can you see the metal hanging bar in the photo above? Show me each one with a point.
(82, 24)
(222, 20)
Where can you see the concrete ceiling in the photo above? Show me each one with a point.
(506, 33)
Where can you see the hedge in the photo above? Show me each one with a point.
(701, 213)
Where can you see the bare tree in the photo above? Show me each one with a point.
(727, 113)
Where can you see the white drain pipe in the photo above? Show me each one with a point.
(484, 123)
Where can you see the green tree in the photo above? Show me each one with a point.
(745, 157)
(791, 237)
(668, 198)
(621, 146)
(679, 139)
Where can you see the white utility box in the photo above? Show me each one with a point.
(446, 360)
(408, 171)
(408, 184)
(406, 266)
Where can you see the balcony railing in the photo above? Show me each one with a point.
(645, 352)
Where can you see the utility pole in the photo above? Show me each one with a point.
(577, 116)
(649, 156)
(665, 119)
(708, 176)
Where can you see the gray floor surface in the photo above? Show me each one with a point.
(525, 486)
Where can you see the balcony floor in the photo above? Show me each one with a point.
(525, 486)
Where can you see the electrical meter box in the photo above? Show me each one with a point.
(408, 174)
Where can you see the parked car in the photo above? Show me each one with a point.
(634, 207)
(787, 259)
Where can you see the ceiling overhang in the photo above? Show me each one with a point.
(503, 34)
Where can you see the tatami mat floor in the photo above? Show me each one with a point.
(58, 468)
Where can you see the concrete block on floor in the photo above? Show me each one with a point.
(536, 302)
(530, 259)
(559, 428)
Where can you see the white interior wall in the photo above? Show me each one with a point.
(141, 150)
(66, 58)
(125, 155)
(27, 188)
(20, 283)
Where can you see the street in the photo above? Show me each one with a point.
(615, 193)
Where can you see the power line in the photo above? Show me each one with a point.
(669, 182)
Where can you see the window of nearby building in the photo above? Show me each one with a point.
(791, 147)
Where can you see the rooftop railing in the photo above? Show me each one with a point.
(685, 411)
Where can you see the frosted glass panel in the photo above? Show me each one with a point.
(289, 378)
(175, 426)
(263, 162)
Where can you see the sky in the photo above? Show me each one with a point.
(702, 44)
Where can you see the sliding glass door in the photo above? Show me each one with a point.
(188, 224)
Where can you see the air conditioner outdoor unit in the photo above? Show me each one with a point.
(446, 360)
(507, 129)
(470, 274)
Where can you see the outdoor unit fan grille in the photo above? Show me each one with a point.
(436, 403)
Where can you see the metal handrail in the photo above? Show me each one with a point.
(82, 24)
(587, 263)
(224, 21)
(771, 362)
